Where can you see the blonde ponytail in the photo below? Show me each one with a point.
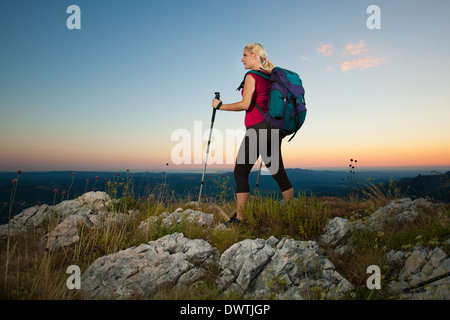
(267, 65)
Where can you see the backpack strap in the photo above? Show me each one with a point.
(259, 73)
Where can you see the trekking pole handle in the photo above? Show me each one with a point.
(214, 111)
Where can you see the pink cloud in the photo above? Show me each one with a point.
(355, 48)
(326, 49)
(362, 63)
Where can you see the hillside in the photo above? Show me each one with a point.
(310, 248)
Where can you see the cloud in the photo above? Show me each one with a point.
(306, 59)
(326, 49)
(355, 56)
(362, 63)
(353, 49)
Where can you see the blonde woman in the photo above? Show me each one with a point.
(256, 91)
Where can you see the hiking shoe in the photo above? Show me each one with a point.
(234, 221)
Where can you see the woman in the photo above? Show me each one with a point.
(256, 90)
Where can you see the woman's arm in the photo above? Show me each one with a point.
(249, 91)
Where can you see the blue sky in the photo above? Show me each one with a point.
(109, 96)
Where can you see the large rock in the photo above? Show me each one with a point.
(338, 231)
(87, 205)
(419, 268)
(288, 269)
(140, 271)
(65, 233)
(178, 216)
(335, 230)
(29, 218)
(94, 209)
(397, 211)
(242, 262)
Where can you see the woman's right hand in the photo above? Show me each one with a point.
(215, 103)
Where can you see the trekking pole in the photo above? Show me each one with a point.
(259, 174)
(207, 150)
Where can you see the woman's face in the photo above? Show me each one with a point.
(249, 59)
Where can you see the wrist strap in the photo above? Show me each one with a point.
(219, 105)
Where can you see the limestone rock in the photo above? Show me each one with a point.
(27, 219)
(397, 211)
(335, 230)
(286, 268)
(65, 233)
(90, 203)
(94, 209)
(420, 266)
(189, 215)
(139, 271)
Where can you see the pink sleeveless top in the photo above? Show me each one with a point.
(252, 114)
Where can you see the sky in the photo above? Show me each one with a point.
(136, 82)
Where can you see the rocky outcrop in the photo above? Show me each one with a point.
(338, 230)
(88, 205)
(140, 271)
(94, 209)
(288, 269)
(335, 230)
(424, 274)
(397, 211)
(253, 268)
(167, 219)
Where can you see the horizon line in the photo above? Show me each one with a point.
(382, 168)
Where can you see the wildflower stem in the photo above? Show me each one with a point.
(68, 191)
(11, 202)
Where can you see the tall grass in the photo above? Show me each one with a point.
(11, 203)
(303, 218)
(382, 193)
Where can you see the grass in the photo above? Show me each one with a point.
(30, 271)
(303, 218)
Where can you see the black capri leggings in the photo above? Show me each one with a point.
(257, 138)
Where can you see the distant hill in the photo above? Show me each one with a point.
(435, 186)
(38, 187)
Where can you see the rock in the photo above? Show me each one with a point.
(191, 205)
(272, 241)
(94, 209)
(335, 230)
(395, 257)
(89, 204)
(397, 211)
(65, 233)
(287, 268)
(241, 263)
(167, 219)
(414, 263)
(140, 271)
(420, 266)
(29, 218)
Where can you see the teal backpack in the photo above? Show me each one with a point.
(287, 107)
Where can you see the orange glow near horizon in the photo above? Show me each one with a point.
(121, 155)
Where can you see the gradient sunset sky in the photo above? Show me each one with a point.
(110, 95)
